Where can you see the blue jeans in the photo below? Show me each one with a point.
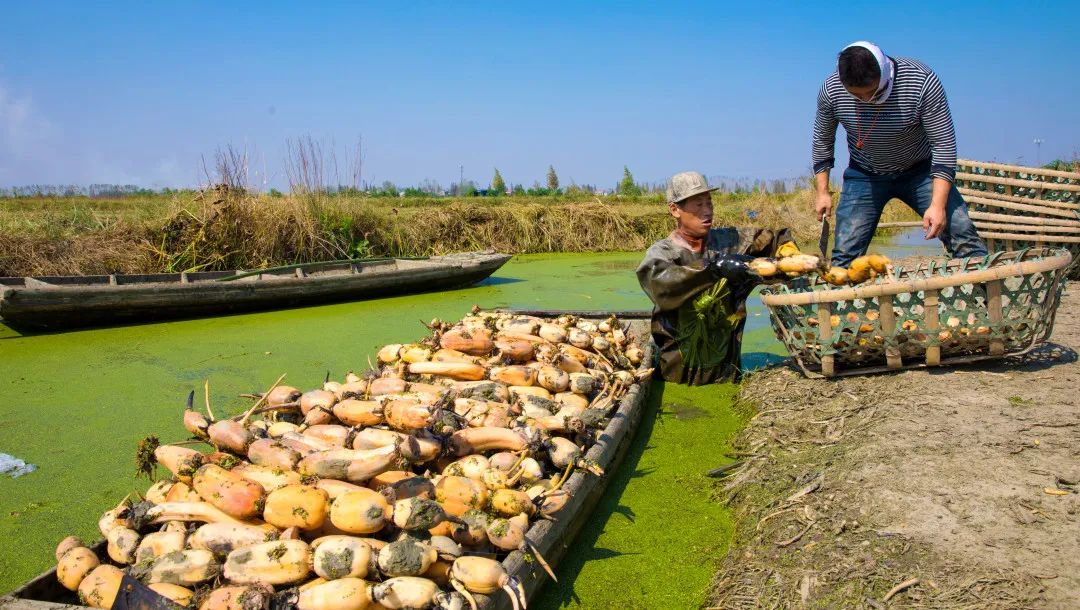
(865, 195)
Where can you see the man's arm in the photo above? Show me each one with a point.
(822, 196)
(669, 284)
(937, 122)
(823, 151)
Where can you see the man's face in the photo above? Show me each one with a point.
(694, 215)
(864, 94)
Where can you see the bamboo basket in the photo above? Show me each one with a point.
(937, 313)
(1015, 207)
(1032, 183)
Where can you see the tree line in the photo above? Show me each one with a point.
(627, 186)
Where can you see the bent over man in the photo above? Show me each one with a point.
(698, 280)
(902, 144)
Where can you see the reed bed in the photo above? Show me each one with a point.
(224, 229)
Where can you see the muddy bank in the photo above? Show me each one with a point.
(950, 488)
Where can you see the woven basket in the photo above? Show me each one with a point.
(1015, 207)
(940, 312)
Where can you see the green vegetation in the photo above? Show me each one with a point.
(498, 185)
(1064, 165)
(627, 186)
(552, 179)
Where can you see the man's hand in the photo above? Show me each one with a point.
(732, 266)
(823, 204)
(933, 221)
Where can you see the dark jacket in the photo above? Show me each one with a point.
(673, 276)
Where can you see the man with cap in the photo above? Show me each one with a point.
(901, 142)
(698, 280)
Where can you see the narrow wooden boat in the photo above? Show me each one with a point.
(70, 301)
(552, 538)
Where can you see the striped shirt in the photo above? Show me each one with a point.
(913, 125)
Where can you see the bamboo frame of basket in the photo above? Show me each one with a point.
(1019, 169)
(1046, 184)
(1039, 207)
(1030, 196)
(1036, 223)
(890, 286)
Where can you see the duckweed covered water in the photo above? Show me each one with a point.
(75, 404)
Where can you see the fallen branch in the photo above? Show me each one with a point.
(774, 514)
(900, 587)
(725, 469)
(792, 541)
(810, 488)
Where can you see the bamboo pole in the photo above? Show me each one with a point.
(994, 198)
(887, 320)
(1022, 207)
(1035, 221)
(932, 323)
(1019, 169)
(828, 361)
(900, 224)
(1013, 182)
(937, 282)
(1051, 239)
(1003, 226)
(993, 308)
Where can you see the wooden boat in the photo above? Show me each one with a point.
(551, 537)
(69, 301)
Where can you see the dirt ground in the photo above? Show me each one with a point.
(957, 487)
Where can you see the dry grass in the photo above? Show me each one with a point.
(228, 228)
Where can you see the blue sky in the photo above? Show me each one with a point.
(137, 92)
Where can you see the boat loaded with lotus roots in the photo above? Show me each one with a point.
(452, 475)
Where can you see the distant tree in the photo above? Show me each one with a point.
(431, 187)
(518, 190)
(552, 179)
(467, 189)
(627, 186)
(498, 185)
(778, 186)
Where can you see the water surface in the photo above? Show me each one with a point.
(76, 403)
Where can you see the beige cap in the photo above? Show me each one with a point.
(685, 185)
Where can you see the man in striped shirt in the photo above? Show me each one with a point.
(901, 141)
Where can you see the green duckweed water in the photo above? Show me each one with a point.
(76, 404)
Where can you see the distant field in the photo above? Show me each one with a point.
(236, 230)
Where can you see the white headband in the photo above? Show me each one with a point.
(885, 67)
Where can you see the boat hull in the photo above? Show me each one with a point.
(56, 303)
